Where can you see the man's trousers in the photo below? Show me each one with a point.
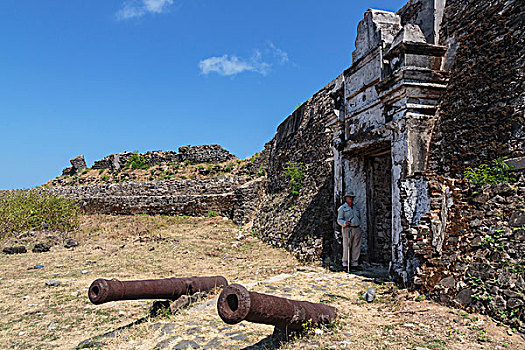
(351, 244)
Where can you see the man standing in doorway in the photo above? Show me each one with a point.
(349, 218)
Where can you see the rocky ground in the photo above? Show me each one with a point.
(44, 300)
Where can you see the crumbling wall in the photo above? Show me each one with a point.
(302, 223)
(468, 249)
(481, 115)
(190, 154)
(225, 196)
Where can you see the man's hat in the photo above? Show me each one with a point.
(349, 194)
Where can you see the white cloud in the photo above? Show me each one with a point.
(228, 65)
(279, 54)
(138, 8)
(225, 65)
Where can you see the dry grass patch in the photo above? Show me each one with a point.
(123, 247)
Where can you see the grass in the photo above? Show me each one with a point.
(26, 210)
(294, 171)
(121, 247)
(118, 247)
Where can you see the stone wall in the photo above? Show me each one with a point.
(468, 249)
(226, 196)
(191, 154)
(303, 223)
(481, 114)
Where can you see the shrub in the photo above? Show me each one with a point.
(494, 173)
(137, 161)
(25, 210)
(212, 213)
(105, 178)
(261, 171)
(294, 171)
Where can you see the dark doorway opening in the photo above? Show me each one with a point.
(379, 206)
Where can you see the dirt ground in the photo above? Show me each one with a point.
(34, 315)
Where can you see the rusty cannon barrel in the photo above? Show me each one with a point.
(237, 304)
(102, 290)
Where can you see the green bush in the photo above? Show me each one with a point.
(24, 210)
(261, 171)
(294, 171)
(137, 161)
(212, 213)
(494, 173)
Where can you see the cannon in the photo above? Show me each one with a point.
(102, 290)
(237, 304)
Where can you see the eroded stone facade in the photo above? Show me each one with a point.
(438, 88)
(391, 94)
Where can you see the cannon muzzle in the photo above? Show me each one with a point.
(237, 304)
(102, 290)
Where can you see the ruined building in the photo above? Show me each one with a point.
(433, 89)
(382, 129)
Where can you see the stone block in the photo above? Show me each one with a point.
(78, 163)
(464, 297)
(517, 219)
(448, 282)
(375, 29)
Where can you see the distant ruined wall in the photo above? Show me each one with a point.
(226, 196)
(191, 154)
(303, 223)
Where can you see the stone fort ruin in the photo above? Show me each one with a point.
(433, 89)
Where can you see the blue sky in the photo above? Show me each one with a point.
(103, 76)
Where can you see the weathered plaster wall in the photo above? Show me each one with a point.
(391, 94)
